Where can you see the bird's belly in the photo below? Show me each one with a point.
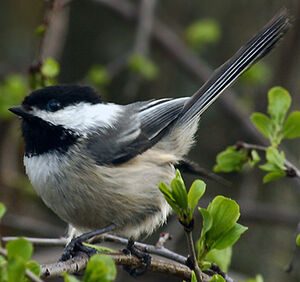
(90, 197)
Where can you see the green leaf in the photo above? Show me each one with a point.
(230, 160)
(196, 192)
(254, 158)
(15, 269)
(166, 191)
(50, 68)
(164, 188)
(258, 278)
(263, 124)
(2, 210)
(142, 65)
(40, 30)
(291, 127)
(228, 238)
(207, 221)
(19, 248)
(273, 176)
(193, 277)
(100, 268)
(279, 103)
(269, 167)
(99, 76)
(274, 157)
(100, 248)
(220, 257)
(179, 193)
(205, 265)
(3, 269)
(298, 240)
(217, 278)
(202, 33)
(225, 213)
(69, 278)
(275, 164)
(34, 267)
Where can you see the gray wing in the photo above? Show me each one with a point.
(137, 129)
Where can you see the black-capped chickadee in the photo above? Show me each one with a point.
(98, 164)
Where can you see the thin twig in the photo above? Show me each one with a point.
(288, 164)
(142, 42)
(28, 273)
(191, 246)
(163, 238)
(163, 252)
(52, 38)
(39, 241)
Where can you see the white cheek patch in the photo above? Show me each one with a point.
(82, 117)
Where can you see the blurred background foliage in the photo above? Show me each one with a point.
(89, 42)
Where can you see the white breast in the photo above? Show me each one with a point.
(40, 168)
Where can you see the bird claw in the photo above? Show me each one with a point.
(142, 256)
(73, 248)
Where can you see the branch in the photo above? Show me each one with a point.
(78, 263)
(176, 267)
(29, 274)
(291, 169)
(161, 251)
(142, 41)
(53, 36)
(39, 241)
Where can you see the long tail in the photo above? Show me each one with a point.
(228, 73)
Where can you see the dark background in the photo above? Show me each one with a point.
(89, 32)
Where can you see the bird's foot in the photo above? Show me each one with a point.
(142, 256)
(74, 247)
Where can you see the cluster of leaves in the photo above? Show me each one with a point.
(14, 264)
(275, 127)
(220, 228)
(183, 203)
(203, 33)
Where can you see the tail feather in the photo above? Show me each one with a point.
(228, 73)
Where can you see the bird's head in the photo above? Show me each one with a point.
(53, 118)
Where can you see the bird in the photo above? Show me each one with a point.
(97, 164)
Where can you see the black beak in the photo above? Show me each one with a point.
(20, 111)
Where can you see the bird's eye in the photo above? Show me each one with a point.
(53, 105)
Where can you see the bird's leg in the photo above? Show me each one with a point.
(142, 256)
(76, 245)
